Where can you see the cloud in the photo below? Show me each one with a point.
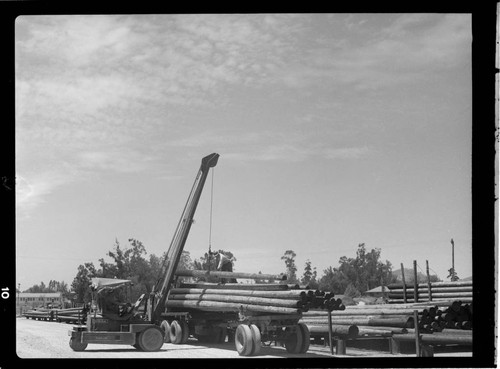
(409, 48)
(93, 89)
(271, 146)
(346, 153)
(116, 161)
(33, 189)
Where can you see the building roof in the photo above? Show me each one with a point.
(378, 290)
(40, 294)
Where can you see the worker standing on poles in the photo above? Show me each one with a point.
(224, 263)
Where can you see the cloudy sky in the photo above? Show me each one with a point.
(332, 130)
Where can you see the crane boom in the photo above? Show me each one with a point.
(156, 303)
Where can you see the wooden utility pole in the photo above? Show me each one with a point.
(415, 282)
(404, 282)
(330, 333)
(452, 260)
(417, 333)
(428, 280)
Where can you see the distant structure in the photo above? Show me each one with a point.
(27, 300)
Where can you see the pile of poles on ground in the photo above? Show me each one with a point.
(431, 291)
(450, 320)
(71, 315)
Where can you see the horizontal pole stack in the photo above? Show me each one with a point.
(432, 291)
(437, 338)
(261, 298)
(345, 331)
(61, 315)
(38, 315)
(225, 307)
(432, 316)
(228, 275)
(377, 321)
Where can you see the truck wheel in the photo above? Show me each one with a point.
(175, 332)
(77, 346)
(185, 331)
(306, 338)
(166, 330)
(256, 340)
(150, 339)
(136, 345)
(243, 340)
(293, 343)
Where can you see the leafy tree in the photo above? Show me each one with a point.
(185, 261)
(309, 276)
(409, 277)
(351, 291)
(363, 272)
(306, 277)
(81, 282)
(291, 269)
(53, 286)
(332, 281)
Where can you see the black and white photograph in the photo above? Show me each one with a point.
(280, 186)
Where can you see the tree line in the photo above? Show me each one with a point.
(352, 276)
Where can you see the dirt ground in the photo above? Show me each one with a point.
(44, 339)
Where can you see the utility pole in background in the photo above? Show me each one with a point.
(453, 255)
(453, 275)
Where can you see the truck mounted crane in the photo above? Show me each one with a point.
(123, 323)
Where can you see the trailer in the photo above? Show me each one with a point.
(248, 330)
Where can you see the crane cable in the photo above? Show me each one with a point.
(210, 228)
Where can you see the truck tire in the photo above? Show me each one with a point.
(175, 332)
(306, 338)
(76, 345)
(243, 340)
(136, 345)
(165, 326)
(256, 339)
(150, 339)
(185, 331)
(293, 343)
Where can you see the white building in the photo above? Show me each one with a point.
(27, 300)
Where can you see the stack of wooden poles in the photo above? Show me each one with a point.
(456, 315)
(395, 320)
(39, 314)
(431, 291)
(71, 315)
(371, 320)
(256, 298)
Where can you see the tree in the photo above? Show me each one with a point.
(363, 272)
(81, 282)
(332, 281)
(289, 259)
(309, 276)
(306, 277)
(185, 261)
